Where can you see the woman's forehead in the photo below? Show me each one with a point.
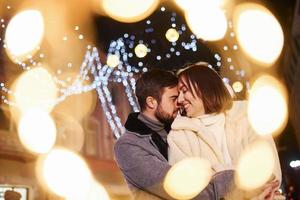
(182, 81)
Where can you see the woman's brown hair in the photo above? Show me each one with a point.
(208, 86)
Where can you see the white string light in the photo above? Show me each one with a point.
(101, 75)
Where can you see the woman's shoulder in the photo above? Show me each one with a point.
(238, 110)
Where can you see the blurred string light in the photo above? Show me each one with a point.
(116, 69)
(129, 10)
(258, 32)
(295, 163)
(101, 76)
(21, 47)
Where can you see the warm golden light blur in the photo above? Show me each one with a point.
(70, 133)
(141, 50)
(66, 174)
(237, 86)
(187, 5)
(112, 60)
(213, 29)
(267, 108)
(97, 192)
(258, 33)
(129, 10)
(35, 89)
(24, 34)
(37, 131)
(255, 166)
(172, 35)
(187, 178)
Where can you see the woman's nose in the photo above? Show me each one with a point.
(180, 98)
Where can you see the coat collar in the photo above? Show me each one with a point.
(133, 124)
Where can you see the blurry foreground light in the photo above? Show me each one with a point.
(112, 60)
(35, 89)
(295, 164)
(172, 35)
(213, 29)
(24, 34)
(255, 166)
(66, 174)
(70, 133)
(258, 33)
(187, 178)
(188, 5)
(96, 192)
(37, 131)
(78, 106)
(129, 10)
(267, 108)
(237, 86)
(140, 50)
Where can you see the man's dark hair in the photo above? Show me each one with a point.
(152, 83)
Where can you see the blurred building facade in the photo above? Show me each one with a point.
(291, 73)
(18, 165)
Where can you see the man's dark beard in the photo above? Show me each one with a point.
(163, 117)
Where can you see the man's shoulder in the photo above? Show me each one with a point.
(131, 138)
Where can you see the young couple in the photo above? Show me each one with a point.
(214, 127)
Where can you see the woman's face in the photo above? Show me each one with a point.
(193, 106)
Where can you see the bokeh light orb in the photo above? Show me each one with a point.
(187, 178)
(24, 34)
(96, 192)
(255, 166)
(141, 50)
(258, 33)
(129, 10)
(112, 60)
(267, 107)
(188, 5)
(37, 131)
(172, 35)
(35, 89)
(65, 172)
(237, 86)
(210, 30)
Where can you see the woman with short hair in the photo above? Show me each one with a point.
(214, 127)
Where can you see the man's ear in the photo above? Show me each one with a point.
(151, 102)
